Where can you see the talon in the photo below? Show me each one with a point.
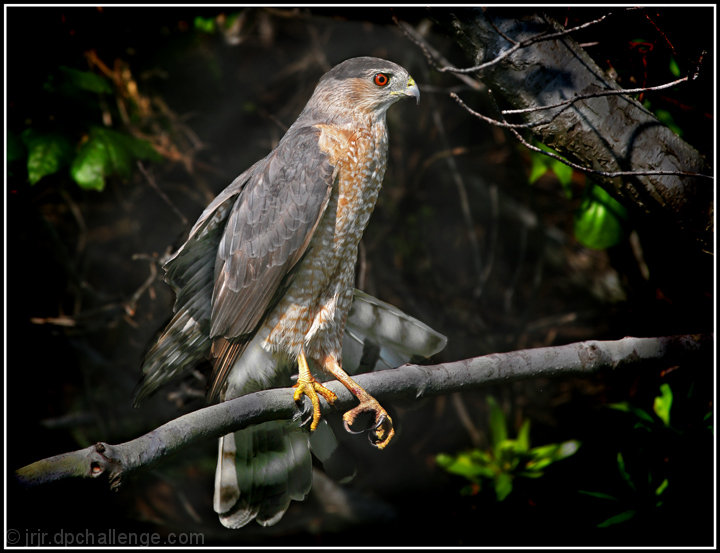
(350, 430)
(308, 386)
(380, 421)
(312, 389)
(381, 432)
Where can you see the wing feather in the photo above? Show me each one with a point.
(267, 233)
(185, 341)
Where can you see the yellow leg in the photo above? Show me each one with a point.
(383, 428)
(307, 385)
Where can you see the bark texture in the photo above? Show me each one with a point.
(607, 133)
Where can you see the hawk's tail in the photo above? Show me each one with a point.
(260, 470)
(380, 336)
(263, 467)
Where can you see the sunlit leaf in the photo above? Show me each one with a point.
(47, 153)
(543, 456)
(599, 220)
(498, 426)
(462, 465)
(663, 403)
(538, 167)
(563, 172)
(503, 486)
(523, 437)
(105, 153)
(541, 164)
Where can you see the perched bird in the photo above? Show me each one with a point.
(265, 283)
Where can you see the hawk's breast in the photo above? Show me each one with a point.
(312, 312)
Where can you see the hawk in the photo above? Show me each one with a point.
(265, 283)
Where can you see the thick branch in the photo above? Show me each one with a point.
(403, 383)
(592, 123)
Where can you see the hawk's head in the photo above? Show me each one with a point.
(360, 86)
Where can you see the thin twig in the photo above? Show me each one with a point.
(522, 44)
(608, 174)
(464, 201)
(595, 95)
(151, 181)
(431, 54)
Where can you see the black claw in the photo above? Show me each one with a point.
(379, 423)
(373, 437)
(302, 405)
(350, 430)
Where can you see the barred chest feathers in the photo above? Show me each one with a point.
(313, 311)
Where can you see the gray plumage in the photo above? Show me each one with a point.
(267, 270)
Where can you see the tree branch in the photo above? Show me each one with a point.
(409, 382)
(571, 105)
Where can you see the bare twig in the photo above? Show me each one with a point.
(595, 95)
(431, 54)
(609, 174)
(464, 201)
(151, 181)
(522, 44)
(409, 382)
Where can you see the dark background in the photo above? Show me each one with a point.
(81, 310)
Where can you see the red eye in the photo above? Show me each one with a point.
(382, 79)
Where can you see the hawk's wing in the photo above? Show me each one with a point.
(185, 341)
(267, 232)
(228, 271)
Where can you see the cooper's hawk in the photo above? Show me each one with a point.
(265, 282)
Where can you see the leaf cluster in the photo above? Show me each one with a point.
(68, 134)
(506, 459)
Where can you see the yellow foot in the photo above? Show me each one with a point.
(307, 385)
(312, 389)
(382, 431)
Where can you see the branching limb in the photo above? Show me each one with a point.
(571, 105)
(409, 382)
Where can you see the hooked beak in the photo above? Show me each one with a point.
(412, 90)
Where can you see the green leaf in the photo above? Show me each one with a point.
(107, 152)
(543, 456)
(205, 24)
(86, 80)
(538, 167)
(523, 437)
(563, 172)
(498, 426)
(617, 519)
(599, 495)
(623, 472)
(599, 220)
(663, 403)
(541, 164)
(639, 413)
(47, 153)
(503, 485)
(674, 67)
(661, 488)
(464, 464)
(666, 118)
